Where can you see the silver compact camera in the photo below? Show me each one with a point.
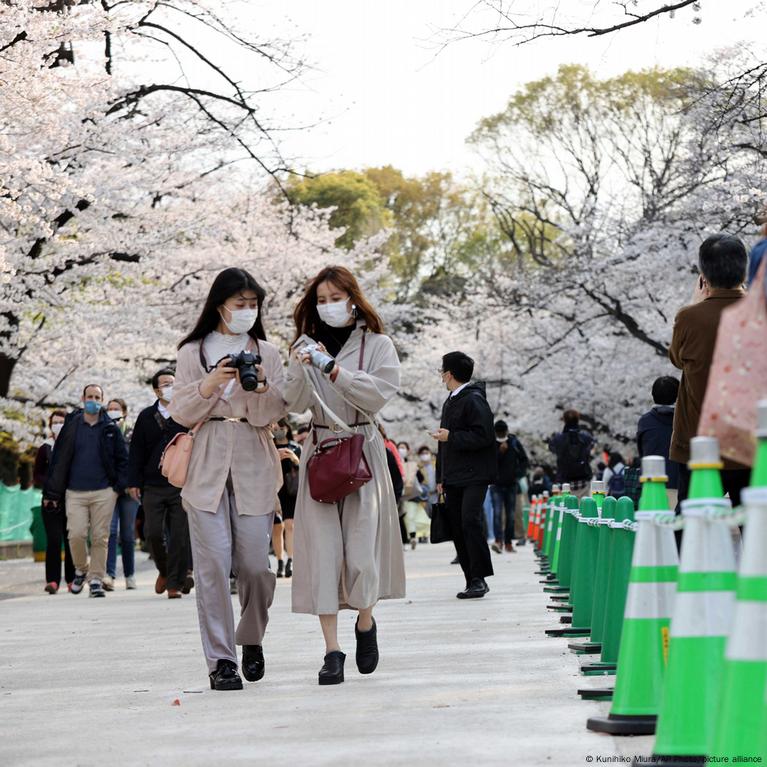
(322, 361)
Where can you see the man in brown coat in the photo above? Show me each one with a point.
(723, 262)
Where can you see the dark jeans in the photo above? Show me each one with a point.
(733, 482)
(464, 506)
(55, 523)
(504, 497)
(124, 518)
(162, 509)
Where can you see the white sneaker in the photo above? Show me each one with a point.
(130, 583)
(108, 583)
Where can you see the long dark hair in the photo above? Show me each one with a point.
(228, 283)
(305, 314)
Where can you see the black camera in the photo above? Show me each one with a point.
(246, 362)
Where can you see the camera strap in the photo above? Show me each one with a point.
(208, 368)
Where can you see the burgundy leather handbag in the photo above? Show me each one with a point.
(338, 466)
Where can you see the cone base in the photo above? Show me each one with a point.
(667, 760)
(600, 693)
(585, 648)
(572, 632)
(623, 725)
(592, 669)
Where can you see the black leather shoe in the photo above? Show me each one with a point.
(475, 590)
(487, 588)
(367, 649)
(253, 665)
(225, 677)
(332, 671)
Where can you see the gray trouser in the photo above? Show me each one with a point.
(226, 542)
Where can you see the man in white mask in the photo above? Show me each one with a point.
(161, 501)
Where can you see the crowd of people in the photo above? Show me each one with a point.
(335, 501)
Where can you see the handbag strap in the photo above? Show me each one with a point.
(324, 406)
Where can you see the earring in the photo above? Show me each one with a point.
(354, 311)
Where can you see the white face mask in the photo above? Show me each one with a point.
(403, 452)
(337, 314)
(167, 392)
(242, 320)
(115, 415)
(501, 439)
(56, 428)
(425, 457)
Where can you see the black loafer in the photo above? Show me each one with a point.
(367, 649)
(253, 665)
(475, 590)
(225, 677)
(332, 671)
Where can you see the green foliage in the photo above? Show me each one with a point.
(358, 208)
(575, 96)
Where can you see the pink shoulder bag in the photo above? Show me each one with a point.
(174, 461)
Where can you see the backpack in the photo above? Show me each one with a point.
(522, 461)
(574, 457)
(616, 487)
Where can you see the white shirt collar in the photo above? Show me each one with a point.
(162, 410)
(462, 386)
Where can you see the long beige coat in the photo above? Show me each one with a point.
(348, 554)
(220, 447)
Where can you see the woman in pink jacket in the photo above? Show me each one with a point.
(234, 471)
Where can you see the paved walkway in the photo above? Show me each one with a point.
(93, 682)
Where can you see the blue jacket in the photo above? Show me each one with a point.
(114, 456)
(755, 259)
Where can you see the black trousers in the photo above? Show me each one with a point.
(55, 523)
(466, 517)
(163, 509)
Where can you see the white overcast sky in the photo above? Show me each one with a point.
(385, 97)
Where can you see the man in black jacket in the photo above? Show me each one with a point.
(466, 465)
(161, 501)
(88, 471)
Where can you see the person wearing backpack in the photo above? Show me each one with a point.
(572, 446)
(615, 476)
(512, 465)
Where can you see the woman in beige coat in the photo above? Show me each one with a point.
(348, 554)
(234, 471)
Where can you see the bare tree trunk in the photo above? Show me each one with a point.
(7, 364)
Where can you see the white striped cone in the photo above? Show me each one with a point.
(654, 569)
(703, 611)
(745, 674)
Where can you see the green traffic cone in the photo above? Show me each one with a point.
(601, 572)
(621, 551)
(744, 682)
(644, 640)
(583, 576)
(703, 612)
(569, 531)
